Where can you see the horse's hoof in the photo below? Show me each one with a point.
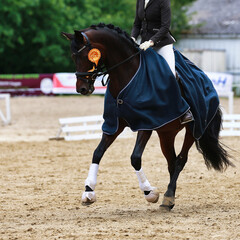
(167, 204)
(153, 196)
(88, 198)
(164, 208)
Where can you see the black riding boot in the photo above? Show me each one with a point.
(187, 117)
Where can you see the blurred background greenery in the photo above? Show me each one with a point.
(30, 40)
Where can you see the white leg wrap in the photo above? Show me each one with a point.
(91, 180)
(143, 182)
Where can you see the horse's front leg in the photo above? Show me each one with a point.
(151, 194)
(89, 196)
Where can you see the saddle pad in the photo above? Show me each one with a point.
(199, 93)
(150, 100)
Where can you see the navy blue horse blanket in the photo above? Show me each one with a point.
(153, 98)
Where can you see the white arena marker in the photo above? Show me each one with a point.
(6, 119)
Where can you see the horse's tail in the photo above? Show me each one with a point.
(214, 154)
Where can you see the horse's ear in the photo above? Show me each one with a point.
(78, 36)
(68, 36)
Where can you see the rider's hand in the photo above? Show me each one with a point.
(147, 44)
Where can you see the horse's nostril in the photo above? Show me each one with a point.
(83, 91)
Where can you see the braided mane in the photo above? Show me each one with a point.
(117, 30)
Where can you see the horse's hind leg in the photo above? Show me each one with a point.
(89, 196)
(150, 193)
(175, 164)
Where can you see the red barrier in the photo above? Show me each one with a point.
(26, 84)
(42, 84)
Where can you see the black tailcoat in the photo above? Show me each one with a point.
(153, 22)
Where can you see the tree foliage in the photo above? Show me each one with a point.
(30, 40)
(180, 19)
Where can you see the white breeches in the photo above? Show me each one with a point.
(167, 53)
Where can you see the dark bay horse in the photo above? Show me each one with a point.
(109, 46)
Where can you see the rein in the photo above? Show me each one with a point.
(90, 76)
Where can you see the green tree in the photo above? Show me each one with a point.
(180, 19)
(30, 35)
(118, 12)
(30, 40)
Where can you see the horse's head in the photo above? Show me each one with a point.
(103, 47)
(86, 59)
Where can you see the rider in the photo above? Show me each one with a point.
(152, 23)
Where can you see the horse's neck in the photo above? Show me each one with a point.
(121, 75)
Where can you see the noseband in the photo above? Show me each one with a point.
(90, 76)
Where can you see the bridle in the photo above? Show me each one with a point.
(90, 76)
(98, 69)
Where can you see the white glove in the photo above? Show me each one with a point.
(147, 44)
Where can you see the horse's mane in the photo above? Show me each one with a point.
(115, 29)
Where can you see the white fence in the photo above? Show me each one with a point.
(80, 128)
(230, 96)
(231, 125)
(89, 127)
(6, 119)
(83, 128)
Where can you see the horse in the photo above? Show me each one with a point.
(105, 49)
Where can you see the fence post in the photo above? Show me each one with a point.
(7, 119)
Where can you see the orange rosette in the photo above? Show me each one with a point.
(94, 55)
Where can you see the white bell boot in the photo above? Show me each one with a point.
(145, 186)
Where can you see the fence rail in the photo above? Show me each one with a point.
(89, 127)
(231, 125)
